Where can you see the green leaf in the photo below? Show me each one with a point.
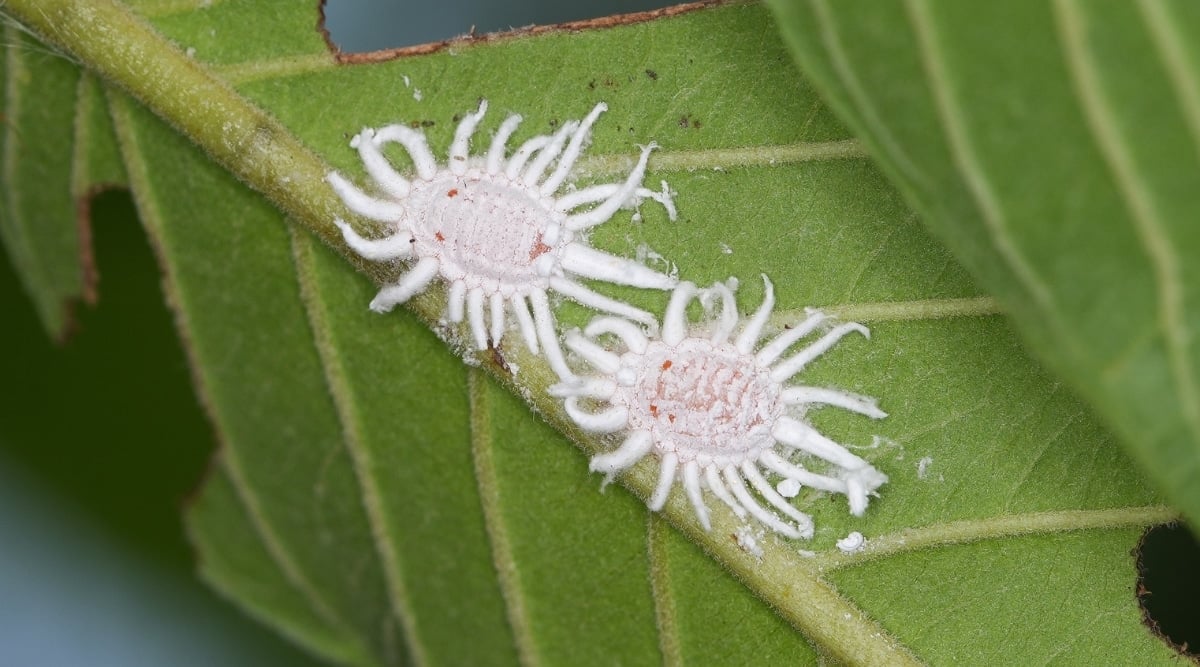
(381, 503)
(1055, 148)
(33, 164)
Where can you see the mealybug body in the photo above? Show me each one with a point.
(719, 413)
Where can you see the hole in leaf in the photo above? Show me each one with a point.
(1169, 585)
(358, 27)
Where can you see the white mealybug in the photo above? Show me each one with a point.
(719, 410)
(495, 229)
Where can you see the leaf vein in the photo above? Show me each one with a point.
(276, 68)
(660, 586)
(967, 160)
(1172, 50)
(991, 528)
(854, 88)
(728, 158)
(151, 217)
(507, 570)
(1146, 219)
(342, 395)
(900, 311)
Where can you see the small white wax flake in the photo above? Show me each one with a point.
(190, 51)
(923, 467)
(878, 441)
(852, 543)
(806, 553)
(725, 249)
(646, 256)
(637, 216)
(748, 541)
(788, 488)
(417, 95)
(407, 81)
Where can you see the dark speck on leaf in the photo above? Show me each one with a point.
(498, 358)
(652, 74)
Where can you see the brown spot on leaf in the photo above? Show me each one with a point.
(498, 358)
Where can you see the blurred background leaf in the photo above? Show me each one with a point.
(1055, 148)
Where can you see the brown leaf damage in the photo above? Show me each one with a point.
(472, 39)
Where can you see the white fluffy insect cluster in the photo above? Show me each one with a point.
(719, 412)
(496, 228)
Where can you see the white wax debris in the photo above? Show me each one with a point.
(852, 542)
(923, 467)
